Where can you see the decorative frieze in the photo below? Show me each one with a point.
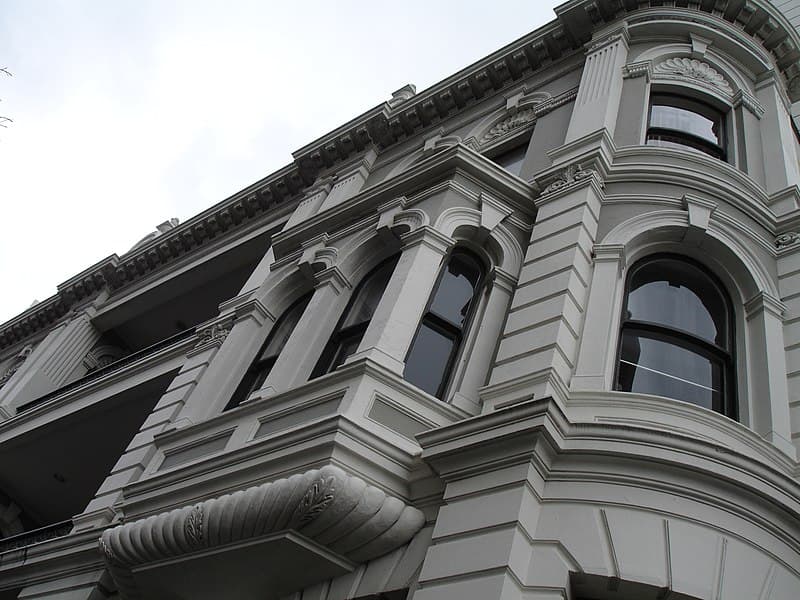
(511, 123)
(694, 71)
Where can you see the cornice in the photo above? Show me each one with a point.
(440, 165)
(390, 122)
(540, 431)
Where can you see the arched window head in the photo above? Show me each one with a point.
(257, 373)
(677, 336)
(351, 327)
(433, 352)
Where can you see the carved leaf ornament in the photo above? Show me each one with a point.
(521, 119)
(693, 69)
(347, 515)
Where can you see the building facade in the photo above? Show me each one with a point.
(531, 333)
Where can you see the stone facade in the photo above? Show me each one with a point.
(240, 407)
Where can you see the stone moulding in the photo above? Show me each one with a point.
(693, 70)
(336, 510)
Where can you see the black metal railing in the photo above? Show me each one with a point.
(34, 536)
(109, 368)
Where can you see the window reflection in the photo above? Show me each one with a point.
(676, 335)
(436, 345)
(262, 366)
(679, 122)
(348, 333)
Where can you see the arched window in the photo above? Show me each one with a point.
(441, 332)
(679, 122)
(257, 373)
(677, 335)
(351, 327)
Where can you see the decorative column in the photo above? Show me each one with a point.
(295, 363)
(631, 123)
(595, 367)
(56, 360)
(392, 328)
(770, 416)
(779, 155)
(597, 104)
(349, 181)
(484, 341)
(748, 113)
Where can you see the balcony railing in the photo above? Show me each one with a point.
(109, 368)
(34, 536)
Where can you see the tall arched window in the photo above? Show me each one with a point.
(257, 373)
(441, 332)
(351, 327)
(677, 334)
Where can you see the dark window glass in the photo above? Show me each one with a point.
(257, 373)
(511, 160)
(679, 122)
(348, 333)
(442, 329)
(676, 337)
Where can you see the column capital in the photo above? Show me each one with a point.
(764, 302)
(333, 277)
(429, 237)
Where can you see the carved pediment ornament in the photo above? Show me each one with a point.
(572, 174)
(693, 70)
(319, 504)
(213, 335)
(511, 123)
(790, 238)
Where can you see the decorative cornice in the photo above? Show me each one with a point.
(319, 504)
(693, 70)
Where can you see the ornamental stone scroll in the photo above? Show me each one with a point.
(338, 511)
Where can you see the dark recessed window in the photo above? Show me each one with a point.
(678, 122)
(262, 365)
(677, 335)
(511, 160)
(351, 327)
(441, 332)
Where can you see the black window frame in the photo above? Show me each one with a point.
(678, 337)
(685, 138)
(332, 357)
(444, 326)
(260, 368)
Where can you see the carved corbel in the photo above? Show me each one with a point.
(102, 356)
(439, 142)
(317, 256)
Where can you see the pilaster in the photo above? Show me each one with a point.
(349, 181)
(595, 367)
(392, 328)
(598, 101)
(778, 143)
(768, 385)
(56, 360)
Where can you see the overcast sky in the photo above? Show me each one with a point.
(129, 112)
